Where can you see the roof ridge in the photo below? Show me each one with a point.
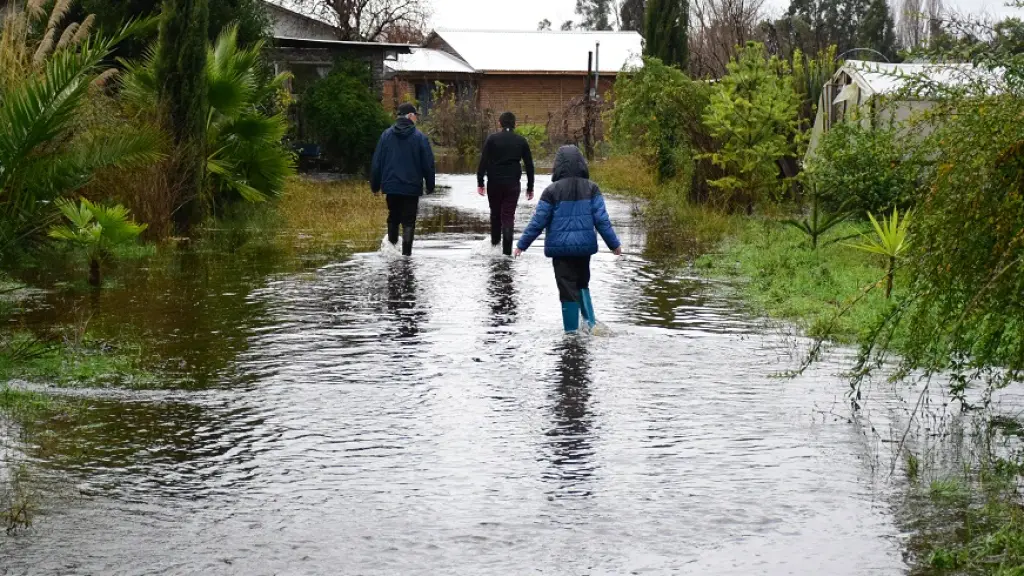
(556, 32)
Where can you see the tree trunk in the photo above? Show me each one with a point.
(95, 279)
(181, 74)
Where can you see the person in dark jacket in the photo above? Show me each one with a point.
(402, 163)
(502, 161)
(570, 210)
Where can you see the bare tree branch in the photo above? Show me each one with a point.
(371, 20)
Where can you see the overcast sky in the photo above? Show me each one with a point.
(525, 14)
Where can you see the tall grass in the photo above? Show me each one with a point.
(333, 212)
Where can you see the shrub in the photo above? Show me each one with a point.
(657, 115)
(537, 136)
(863, 169)
(345, 115)
(457, 123)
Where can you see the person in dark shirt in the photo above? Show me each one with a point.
(502, 161)
(402, 163)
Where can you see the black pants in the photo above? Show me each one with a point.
(402, 210)
(503, 198)
(571, 275)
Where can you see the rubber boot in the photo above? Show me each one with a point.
(507, 236)
(407, 237)
(393, 233)
(570, 317)
(587, 307)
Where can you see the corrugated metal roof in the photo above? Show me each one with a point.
(885, 78)
(504, 51)
(429, 60)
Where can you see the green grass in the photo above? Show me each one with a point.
(833, 292)
(80, 361)
(24, 404)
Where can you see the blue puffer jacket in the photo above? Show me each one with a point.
(403, 161)
(570, 209)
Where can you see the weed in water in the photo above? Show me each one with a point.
(18, 502)
(913, 467)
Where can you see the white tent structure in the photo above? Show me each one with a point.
(877, 94)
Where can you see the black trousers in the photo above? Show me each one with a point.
(403, 210)
(571, 275)
(503, 198)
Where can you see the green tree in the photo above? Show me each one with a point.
(657, 115)
(180, 73)
(345, 115)
(753, 115)
(632, 15)
(596, 14)
(250, 16)
(819, 24)
(45, 152)
(245, 154)
(877, 30)
(668, 28)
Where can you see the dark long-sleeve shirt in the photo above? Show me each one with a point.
(503, 158)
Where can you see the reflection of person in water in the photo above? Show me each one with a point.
(570, 437)
(502, 292)
(402, 298)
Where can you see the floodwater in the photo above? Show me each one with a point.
(371, 415)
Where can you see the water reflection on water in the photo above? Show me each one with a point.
(373, 415)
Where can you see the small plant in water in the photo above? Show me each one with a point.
(97, 229)
(890, 241)
(913, 467)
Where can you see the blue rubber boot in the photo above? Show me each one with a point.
(588, 308)
(571, 317)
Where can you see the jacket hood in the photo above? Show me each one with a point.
(405, 128)
(570, 163)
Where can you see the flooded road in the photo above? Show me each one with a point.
(382, 416)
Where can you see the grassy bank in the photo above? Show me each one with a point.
(830, 292)
(833, 292)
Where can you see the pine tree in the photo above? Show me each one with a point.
(180, 70)
(667, 28)
(597, 14)
(633, 15)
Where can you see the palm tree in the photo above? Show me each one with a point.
(46, 71)
(246, 156)
(97, 229)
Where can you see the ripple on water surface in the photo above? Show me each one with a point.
(426, 416)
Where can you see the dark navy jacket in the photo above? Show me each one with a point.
(403, 161)
(570, 209)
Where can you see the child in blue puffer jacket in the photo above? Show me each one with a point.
(570, 210)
